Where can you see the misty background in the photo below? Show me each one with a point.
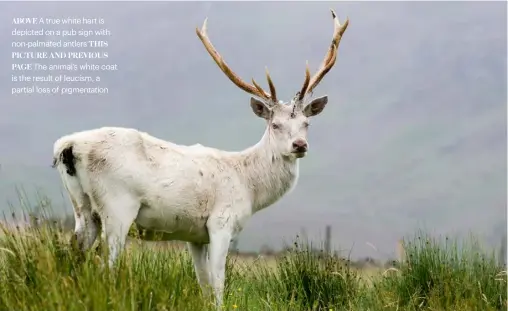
(414, 135)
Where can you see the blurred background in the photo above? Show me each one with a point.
(413, 137)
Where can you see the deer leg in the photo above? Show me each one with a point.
(223, 224)
(219, 246)
(86, 226)
(199, 254)
(117, 215)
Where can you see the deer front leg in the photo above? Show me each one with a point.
(223, 225)
(219, 245)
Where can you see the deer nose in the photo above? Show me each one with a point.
(300, 145)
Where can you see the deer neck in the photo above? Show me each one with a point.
(268, 174)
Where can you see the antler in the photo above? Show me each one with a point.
(254, 88)
(328, 62)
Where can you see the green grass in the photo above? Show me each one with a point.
(40, 271)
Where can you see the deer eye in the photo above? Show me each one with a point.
(275, 126)
(306, 124)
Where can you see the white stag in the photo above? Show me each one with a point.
(201, 195)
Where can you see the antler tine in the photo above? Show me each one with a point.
(272, 87)
(273, 95)
(252, 89)
(331, 55)
(305, 83)
(257, 86)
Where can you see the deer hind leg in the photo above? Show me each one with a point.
(86, 225)
(117, 214)
(199, 254)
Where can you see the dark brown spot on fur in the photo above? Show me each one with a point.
(68, 159)
(96, 218)
(201, 173)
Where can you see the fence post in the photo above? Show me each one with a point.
(401, 253)
(502, 251)
(328, 239)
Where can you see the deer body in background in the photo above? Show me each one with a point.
(119, 176)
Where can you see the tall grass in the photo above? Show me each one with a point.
(39, 270)
(440, 273)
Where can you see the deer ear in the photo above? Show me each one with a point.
(260, 108)
(316, 106)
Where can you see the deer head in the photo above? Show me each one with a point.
(287, 121)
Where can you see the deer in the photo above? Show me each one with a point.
(204, 196)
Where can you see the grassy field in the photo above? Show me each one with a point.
(39, 271)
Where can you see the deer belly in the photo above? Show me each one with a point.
(166, 226)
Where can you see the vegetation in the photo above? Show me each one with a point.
(40, 271)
